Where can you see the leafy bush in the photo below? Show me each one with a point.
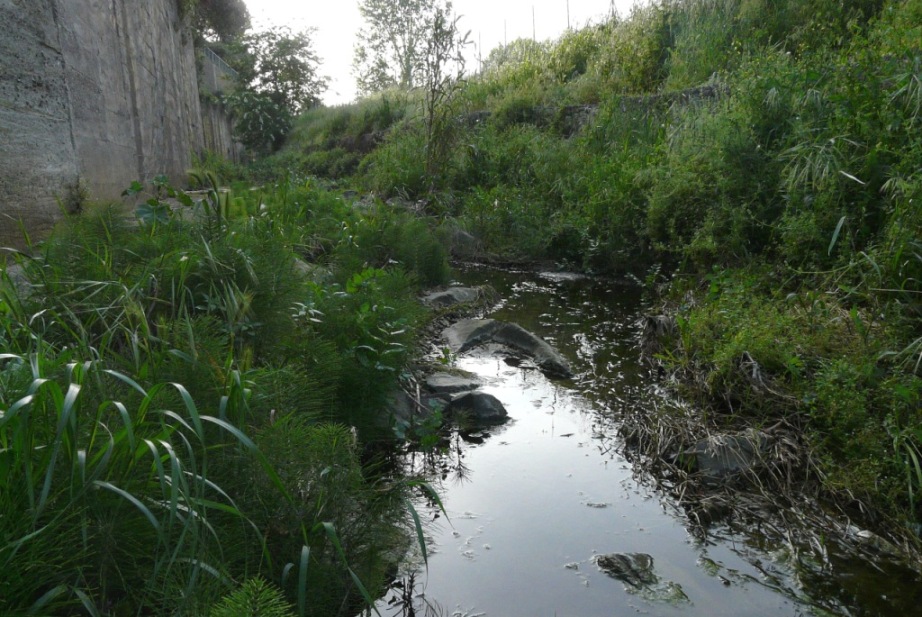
(396, 167)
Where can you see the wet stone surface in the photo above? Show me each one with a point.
(444, 383)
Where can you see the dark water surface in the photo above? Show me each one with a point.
(531, 505)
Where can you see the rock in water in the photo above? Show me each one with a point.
(721, 457)
(478, 408)
(453, 296)
(443, 383)
(635, 569)
(470, 333)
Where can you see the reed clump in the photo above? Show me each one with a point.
(176, 394)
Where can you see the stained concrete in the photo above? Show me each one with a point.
(93, 95)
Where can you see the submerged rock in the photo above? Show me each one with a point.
(635, 569)
(400, 407)
(470, 333)
(720, 457)
(453, 296)
(477, 408)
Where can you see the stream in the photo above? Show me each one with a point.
(533, 502)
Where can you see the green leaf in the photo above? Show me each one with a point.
(420, 538)
(334, 540)
(135, 188)
(133, 500)
(302, 581)
(192, 409)
(835, 235)
(46, 599)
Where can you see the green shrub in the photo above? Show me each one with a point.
(571, 54)
(636, 51)
(255, 598)
(396, 167)
(706, 41)
(370, 320)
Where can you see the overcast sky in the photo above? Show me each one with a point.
(490, 22)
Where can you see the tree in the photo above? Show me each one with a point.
(416, 44)
(444, 50)
(217, 19)
(281, 64)
(394, 42)
(278, 78)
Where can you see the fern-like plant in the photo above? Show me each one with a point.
(255, 598)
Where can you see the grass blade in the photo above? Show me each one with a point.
(66, 412)
(420, 538)
(248, 443)
(302, 580)
(49, 596)
(192, 409)
(334, 540)
(835, 235)
(134, 501)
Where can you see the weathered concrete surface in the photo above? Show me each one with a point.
(216, 78)
(93, 94)
(36, 144)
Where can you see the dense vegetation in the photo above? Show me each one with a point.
(177, 389)
(755, 163)
(176, 396)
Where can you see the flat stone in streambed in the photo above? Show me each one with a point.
(470, 333)
(444, 383)
(453, 296)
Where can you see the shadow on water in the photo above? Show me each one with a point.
(533, 503)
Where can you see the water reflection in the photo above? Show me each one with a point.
(534, 502)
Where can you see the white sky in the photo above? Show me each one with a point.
(490, 22)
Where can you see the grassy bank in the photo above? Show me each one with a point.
(184, 396)
(755, 162)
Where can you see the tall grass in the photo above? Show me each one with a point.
(172, 424)
(104, 503)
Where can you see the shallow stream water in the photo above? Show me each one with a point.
(532, 502)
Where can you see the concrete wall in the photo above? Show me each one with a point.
(215, 79)
(218, 129)
(94, 93)
(37, 153)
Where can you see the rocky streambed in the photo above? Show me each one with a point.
(548, 514)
